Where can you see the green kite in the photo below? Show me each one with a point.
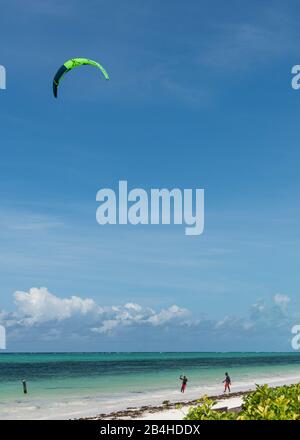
(69, 65)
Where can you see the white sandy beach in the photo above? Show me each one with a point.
(179, 414)
(229, 402)
(101, 407)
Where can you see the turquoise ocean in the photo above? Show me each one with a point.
(73, 384)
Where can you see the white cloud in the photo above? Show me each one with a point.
(134, 314)
(39, 305)
(43, 316)
(167, 314)
(281, 300)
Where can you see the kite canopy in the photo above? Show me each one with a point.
(69, 65)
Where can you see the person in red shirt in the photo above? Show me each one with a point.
(184, 380)
(227, 383)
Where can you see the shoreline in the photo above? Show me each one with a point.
(177, 410)
(231, 401)
(143, 406)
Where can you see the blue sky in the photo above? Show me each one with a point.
(199, 97)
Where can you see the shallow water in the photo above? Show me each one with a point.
(63, 385)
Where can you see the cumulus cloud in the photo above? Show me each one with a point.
(131, 314)
(42, 316)
(39, 306)
(166, 315)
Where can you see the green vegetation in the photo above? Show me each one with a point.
(265, 403)
(205, 411)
